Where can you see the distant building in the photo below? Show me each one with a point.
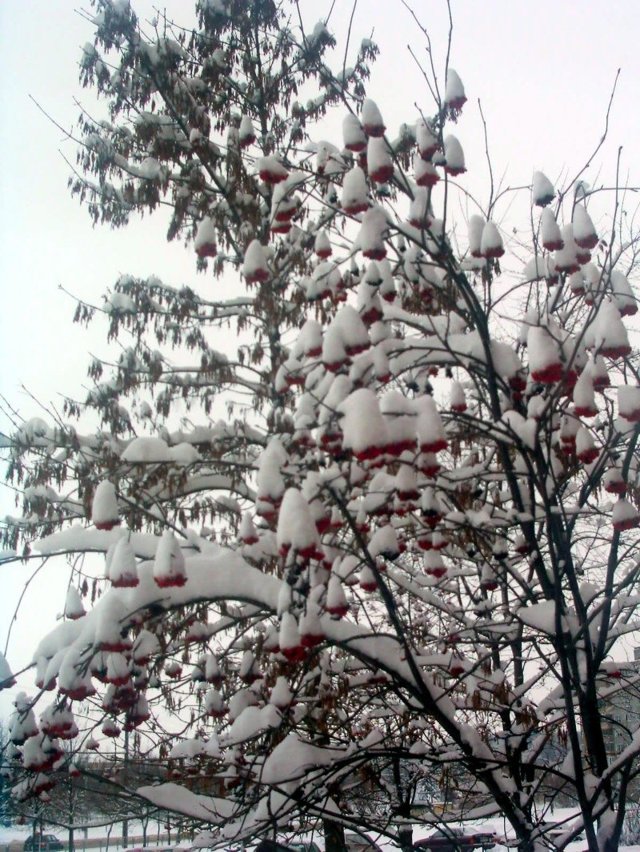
(621, 707)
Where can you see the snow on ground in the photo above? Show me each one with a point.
(12, 837)
(15, 835)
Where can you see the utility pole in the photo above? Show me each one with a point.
(125, 821)
(71, 814)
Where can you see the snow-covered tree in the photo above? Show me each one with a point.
(409, 549)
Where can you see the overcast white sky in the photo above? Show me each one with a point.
(543, 70)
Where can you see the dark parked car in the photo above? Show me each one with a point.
(268, 845)
(456, 840)
(43, 842)
(357, 843)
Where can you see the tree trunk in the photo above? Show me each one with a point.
(405, 832)
(405, 836)
(333, 836)
(526, 844)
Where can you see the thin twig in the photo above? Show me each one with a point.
(602, 138)
(67, 133)
(346, 47)
(488, 156)
(21, 598)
